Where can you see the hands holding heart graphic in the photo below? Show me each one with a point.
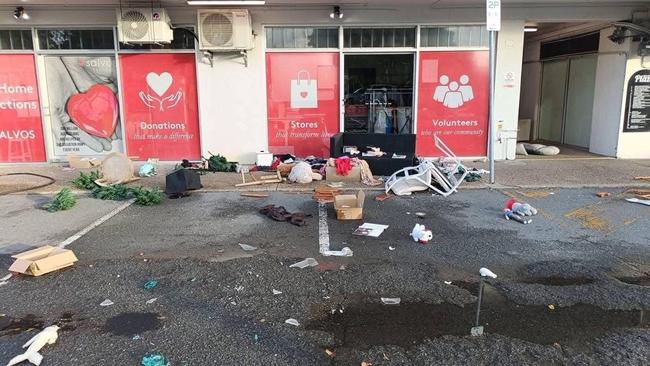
(83, 103)
(160, 83)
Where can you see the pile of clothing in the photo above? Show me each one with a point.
(279, 213)
(344, 164)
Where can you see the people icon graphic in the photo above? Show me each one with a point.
(451, 94)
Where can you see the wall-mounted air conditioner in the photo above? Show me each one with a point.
(225, 30)
(144, 25)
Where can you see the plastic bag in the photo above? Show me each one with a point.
(301, 173)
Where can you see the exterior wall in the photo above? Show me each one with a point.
(531, 78)
(232, 97)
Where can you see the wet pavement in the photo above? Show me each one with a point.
(571, 288)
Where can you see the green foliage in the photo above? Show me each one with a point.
(120, 192)
(146, 197)
(218, 163)
(64, 200)
(117, 192)
(87, 181)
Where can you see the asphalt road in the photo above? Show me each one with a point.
(589, 258)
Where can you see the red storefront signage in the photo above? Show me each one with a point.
(161, 116)
(453, 90)
(21, 129)
(303, 102)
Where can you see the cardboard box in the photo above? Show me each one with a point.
(349, 206)
(42, 260)
(82, 163)
(354, 175)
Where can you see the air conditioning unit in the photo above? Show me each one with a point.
(225, 30)
(144, 25)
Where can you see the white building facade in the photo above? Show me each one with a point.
(68, 86)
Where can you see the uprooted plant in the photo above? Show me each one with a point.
(64, 200)
(87, 181)
(120, 192)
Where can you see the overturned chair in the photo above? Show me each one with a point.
(421, 177)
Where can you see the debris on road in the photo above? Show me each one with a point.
(349, 207)
(382, 197)
(276, 292)
(39, 261)
(267, 179)
(391, 248)
(420, 234)
(520, 208)
(48, 335)
(330, 353)
(247, 248)
(6, 278)
(421, 215)
(117, 168)
(647, 179)
(150, 285)
(345, 252)
(509, 215)
(293, 322)
(279, 213)
(335, 184)
(106, 302)
(308, 262)
(151, 301)
(551, 306)
(372, 230)
(447, 282)
(636, 200)
(148, 169)
(64, 200)
(154, 359)
(325, 194)
(364, 363)
(603, 194)
(391, 300)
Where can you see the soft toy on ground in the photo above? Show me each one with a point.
(420, 234)
(520, 208)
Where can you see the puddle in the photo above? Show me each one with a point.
(638, 281)
(366, 324)
(130, 324)
(558, 281)
(11, 326)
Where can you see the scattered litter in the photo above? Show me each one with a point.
(292, 321)
(509, 215)
(603, 194)
(309, 262)
(150, 285)
(276, 292)
(335, 184)
(382, 197)
(136, 337)
(7, 277)
(364, 363)
(254, 195)
(239, 288)
(279, 213)
(551, 306)
(77, 162)
(154, 359)
(330, 353)
(48, 335)
(636, 200)
(325, 194)
(391, 300)
(248, 248)
(345, 252)
(391, 248)
(233, 303)
(267, 179)
(420, 214)
(301, 173)
(484, 272)
(151, 301)
(42, 260)
(420, 234)
(447, 282)
(147, 170)
(372, 230)
(520, 208)
(106, 302)
(117, 168)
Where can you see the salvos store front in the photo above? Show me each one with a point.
(69, 86)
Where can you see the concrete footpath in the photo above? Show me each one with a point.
(524, 173)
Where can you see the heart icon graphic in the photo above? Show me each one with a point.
(94, 111)
(304, 94)
(159, 83)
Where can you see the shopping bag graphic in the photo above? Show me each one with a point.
(304, 91)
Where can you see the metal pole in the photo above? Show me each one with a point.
(478, 305)
(491, 125)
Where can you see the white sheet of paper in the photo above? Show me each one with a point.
(374, 229)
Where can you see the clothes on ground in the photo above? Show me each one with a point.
(343, 165)
(279, 213)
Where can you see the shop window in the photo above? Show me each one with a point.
(378, 37)
(302, 37)
(454, 36)
(76, 39)
(585, 43)
(16, 39)
(183, 40)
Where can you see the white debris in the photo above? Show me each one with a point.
(276, 292)
(447, 282)
(391, 248)
(239, 288)
(391, 300)
(106, 302)
(6, 278)
(292, 321)
(151, 301)
(309, 262)
(248, 248)
(48, 335)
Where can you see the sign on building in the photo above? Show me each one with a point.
(637, 104)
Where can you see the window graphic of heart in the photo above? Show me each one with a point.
(94, 111)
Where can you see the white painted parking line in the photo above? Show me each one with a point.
(324, 236)
(97, 222)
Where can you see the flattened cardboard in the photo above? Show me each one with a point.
(39, 261)
(349, 206)
(354, 175)
(82, 163)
